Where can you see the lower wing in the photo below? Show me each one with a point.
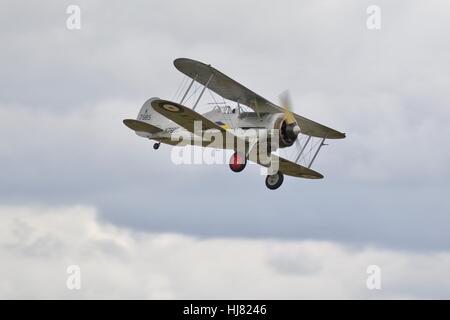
(289, 168)
(187, 118)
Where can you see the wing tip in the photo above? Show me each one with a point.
(335, 135)
(181, 63)
(315, 176)
(127, 122)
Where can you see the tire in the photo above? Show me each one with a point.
(235, 166)
(274, 181)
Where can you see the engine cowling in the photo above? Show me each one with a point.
(287, 133)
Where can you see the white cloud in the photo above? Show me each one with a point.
(37, 244)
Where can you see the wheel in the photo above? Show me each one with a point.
(237, 162)
(156, 145)
(274, 181)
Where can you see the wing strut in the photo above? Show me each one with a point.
(189, 88)
(303, 149)
(322, 143)
(203, 90)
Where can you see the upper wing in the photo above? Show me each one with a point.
(234, 91)
(222, 84)
(186, 118)
(141, 126)
(312, 128)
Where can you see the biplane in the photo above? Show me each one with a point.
(254, 128)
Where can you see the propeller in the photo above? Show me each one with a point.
(292, 127)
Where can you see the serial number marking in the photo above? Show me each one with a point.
(170, 130)
(145, 117)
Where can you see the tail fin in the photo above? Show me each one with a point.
(148, 121)
(149, 115)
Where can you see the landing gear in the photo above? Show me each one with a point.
(156, 145)
(237, 162)
(274, 181)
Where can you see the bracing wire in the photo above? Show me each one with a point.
(194, 92)
(180, 87)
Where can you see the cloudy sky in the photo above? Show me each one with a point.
(79, 188)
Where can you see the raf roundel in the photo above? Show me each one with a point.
(171, 108)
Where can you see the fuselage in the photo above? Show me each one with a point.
(246, 125)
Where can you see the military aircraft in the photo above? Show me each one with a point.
(254, 129)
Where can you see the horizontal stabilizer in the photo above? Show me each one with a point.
(141, 126)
